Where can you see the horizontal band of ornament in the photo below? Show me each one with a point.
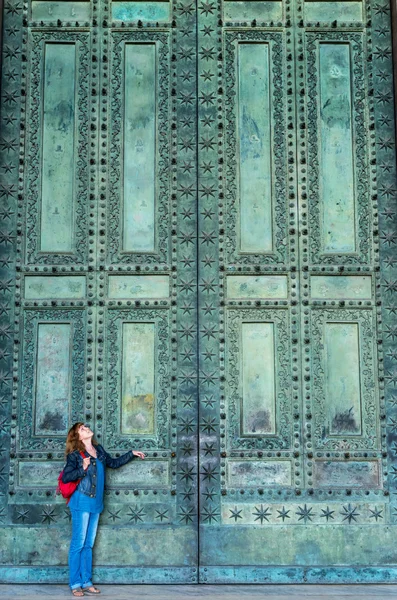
(252, 286)
(63, 287)
(352, 474)
(47, 10)
(251, 473)
(138, 286)
(354, 287)
(156, 10)
(341, 513)
(136, 474)
(237, 10)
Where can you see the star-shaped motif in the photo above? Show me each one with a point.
(207, 75)
(208, 401)
(305, 513)
(209, 494)
(187, 378)
(349, 513)
(186, 9)
(187, 425)
(209, 448)
(187, 331)
(207, 8)
(136, 514)
(209, 472)
(209, 514)
(283, 514)
(188, 493)
(22, 514)
(327, 514)
(236, 514)
(162, 514)
(187, 308)
(208, 309)
(208, 425)
(208, 355)
(187, 449)
(187, 474)
(114, 515)
(207, 30)
(376, 514)
(187, 514)
(207, 143)
(208, 191)
(188, 401)
(262, 514)
(48, 515)
(209, 378)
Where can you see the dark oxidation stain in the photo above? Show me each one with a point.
(260, 422)
(53, 421)
(345, 422)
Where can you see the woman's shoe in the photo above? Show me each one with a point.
(91, 591)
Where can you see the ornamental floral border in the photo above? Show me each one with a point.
(162, 203)
(279, 160)
(283, 438)
(369, 439)
(113, 356)
(33, 158)
(359, 124)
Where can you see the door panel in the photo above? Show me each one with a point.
(106, 307)
(302, 467)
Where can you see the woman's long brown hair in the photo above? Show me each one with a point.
(73, 442)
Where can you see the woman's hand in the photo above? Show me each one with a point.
(138, 454)
(86, 463)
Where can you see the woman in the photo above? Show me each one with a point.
(86, 502)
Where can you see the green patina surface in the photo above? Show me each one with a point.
(198, 257)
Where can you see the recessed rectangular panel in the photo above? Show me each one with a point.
(254, 134)
(258, 379)
(143, 11)
(54, 287)
(236, 10)
(53, 379)
(138, 380)
(329, 11)
(337, 188)
(139, 172)
(65, 11)
(139, 286)
(147, 473)
(246, 473)
(341, 286)
(58, 152)
(38, 474)
(346, 474)
(342, 378)
(262, 286)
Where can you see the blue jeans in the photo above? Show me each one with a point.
(84, 528)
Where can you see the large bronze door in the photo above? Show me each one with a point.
(198, 258)
(297, 243)
(105, 296)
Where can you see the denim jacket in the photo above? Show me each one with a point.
(74, 468)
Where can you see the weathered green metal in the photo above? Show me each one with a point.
(198, 257)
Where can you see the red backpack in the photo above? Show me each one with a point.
(67, 489)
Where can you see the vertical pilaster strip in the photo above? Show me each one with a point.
(212, 424)
(184, 259)
(12, 143)
(384, 196)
